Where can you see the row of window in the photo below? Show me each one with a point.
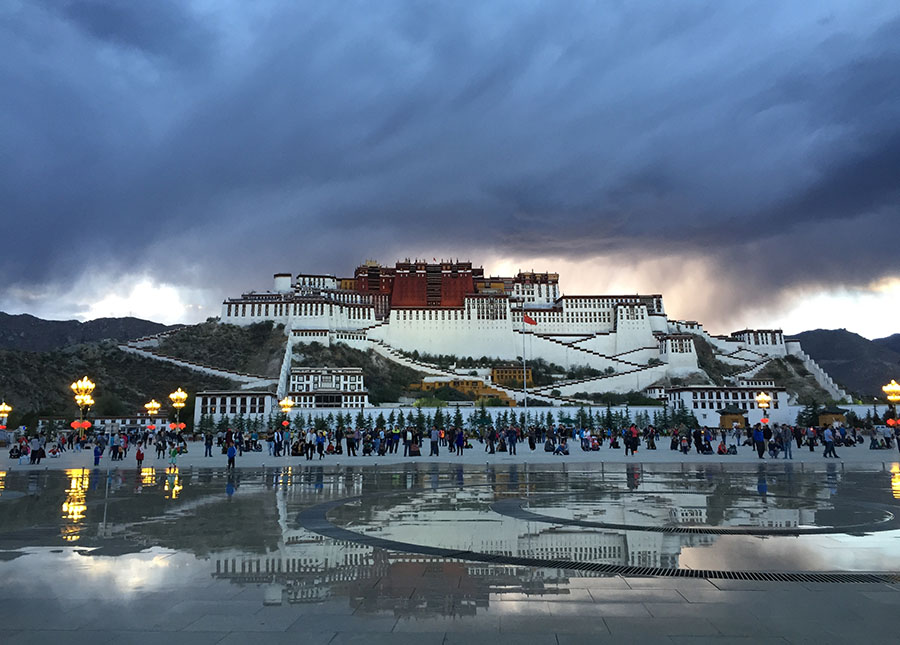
(735, 394)
(714, 405)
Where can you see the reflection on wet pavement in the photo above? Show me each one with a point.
(85, 538)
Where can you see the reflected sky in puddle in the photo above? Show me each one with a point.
(81, 535)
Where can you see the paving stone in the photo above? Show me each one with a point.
(660, 627)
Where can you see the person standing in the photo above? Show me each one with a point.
(492, 440)
(435, 442)
(759, 440)
(512, 437)
(350, 436)
(460, 441)
(310, 444)
(139, 456)
(787, 439)
(207, 444)
(811, 438)
(232, 452)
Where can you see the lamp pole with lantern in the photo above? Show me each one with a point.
(892, 392)
(763, 401)
(83, 390)
(152, 407)
(286, 404)
(178, 398)
(5, 409)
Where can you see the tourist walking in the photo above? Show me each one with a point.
(460, 441)
(811, 438)
(139, 456)
(829, 443)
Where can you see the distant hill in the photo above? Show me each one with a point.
(24, 332)
(891, 342)
(37, 383)
(858, 364)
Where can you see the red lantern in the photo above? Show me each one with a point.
(86, 425)
(182, 426)
(2, 427)
(151, 427)
(890, 422)
(75, 425)
(765, 419)
(285, 423)
(171, 426)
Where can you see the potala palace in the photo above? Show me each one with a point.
(452, 308)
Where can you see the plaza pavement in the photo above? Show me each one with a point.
(859, 456)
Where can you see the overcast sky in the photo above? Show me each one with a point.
(742, 158)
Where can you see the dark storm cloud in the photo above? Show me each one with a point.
(211, 144)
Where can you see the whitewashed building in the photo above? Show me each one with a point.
(249, 404)
(328, 387)
(452, 308)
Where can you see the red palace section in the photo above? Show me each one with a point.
(419, 284)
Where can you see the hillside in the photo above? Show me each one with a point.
(253, 349)
(891, 342)
(385, 380)
(860, 365)
(28, 333)
(37, 384)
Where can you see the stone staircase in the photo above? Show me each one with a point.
(593, 379)
(140, 347)
(582, 350)
(388, 352)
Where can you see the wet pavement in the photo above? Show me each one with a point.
(445, 553)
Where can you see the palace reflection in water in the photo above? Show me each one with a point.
(244, 526)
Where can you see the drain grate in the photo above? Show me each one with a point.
(315, 518)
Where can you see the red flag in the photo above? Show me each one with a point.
(528, 319)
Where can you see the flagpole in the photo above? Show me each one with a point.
(524, 372)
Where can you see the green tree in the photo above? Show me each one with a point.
(206, 424)
(457, 418)
(809, 415)
(380, 421)
(401, 420)
(438, 421)
(392, 420)
(224, 423)
(420, 420)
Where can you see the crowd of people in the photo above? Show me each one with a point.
(772, 441)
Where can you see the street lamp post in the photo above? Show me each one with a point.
(178, 398)
(152, 407)
(762, 401)
(286, 404)
(892, 392)
(5, 409)
(83, 399)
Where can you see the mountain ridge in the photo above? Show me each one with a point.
(24, 332)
